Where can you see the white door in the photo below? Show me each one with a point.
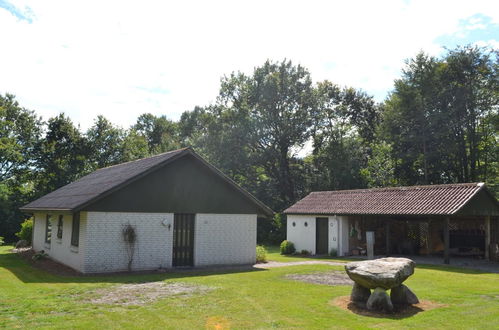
(333, 235)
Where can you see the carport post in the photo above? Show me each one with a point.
(387, 233)
(487, 237)
(446, 240)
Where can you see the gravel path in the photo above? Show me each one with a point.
(275, 264)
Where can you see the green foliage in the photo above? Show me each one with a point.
(380, 168)
(333, 252)
(61, 155)
(1, 241)
(106, 143)
(40, 255)
(438, 121)
(261, 254)
(160, 133)
(287, 247)
(305, 252)
(271, 231)
(26, 231)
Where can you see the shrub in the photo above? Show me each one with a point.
(333, 252)
(287, 247)
(26, 230)
(40, 255)
(305, 252)
(261, 254)
(1, 240)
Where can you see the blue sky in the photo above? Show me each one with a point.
(124, 58)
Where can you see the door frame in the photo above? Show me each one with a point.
(183, 245)
(326, 234)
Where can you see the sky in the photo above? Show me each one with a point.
(124, 58)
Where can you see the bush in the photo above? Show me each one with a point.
(26, 230)
(287, 247)
(305, 252)
(333, 252)
(261, 254)
(1, 240)
(40, 255)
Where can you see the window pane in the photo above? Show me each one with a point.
(75, 230)
(59, 226)
(48, 228)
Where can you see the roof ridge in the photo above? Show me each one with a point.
(434, 186)
(144, 158)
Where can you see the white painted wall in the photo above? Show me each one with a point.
(303, 237)
(224, 239)
(343, 236)
(60, 250)
(219, 239)
(334, 240)
(106, 250)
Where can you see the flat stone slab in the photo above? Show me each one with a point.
(383, 273)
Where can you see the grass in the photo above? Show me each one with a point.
(275, 255)
(30, 298)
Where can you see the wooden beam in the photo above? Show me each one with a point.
(429, 243)
(487, 237)
(387, 234)
(446, 240)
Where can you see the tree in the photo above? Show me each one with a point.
(106, 143)
(134, 146)
(344, 125)
(20, 131)
(276, 104)
(61, 155)
(438, 119)
(161, 133)
(471, 94)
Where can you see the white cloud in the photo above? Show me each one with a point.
(124, 58)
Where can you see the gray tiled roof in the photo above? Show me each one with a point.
(414, 200)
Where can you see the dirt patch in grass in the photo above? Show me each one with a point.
(46, 264)
(142, 293)
(327, 278)
(400, 312)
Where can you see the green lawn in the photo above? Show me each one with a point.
(30, 298)
(275, 255)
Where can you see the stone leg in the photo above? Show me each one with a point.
(359, 293)
(379, 301)
(403, 295)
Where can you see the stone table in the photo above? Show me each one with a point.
(381, 275)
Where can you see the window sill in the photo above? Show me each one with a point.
(73, 249)
(46, 246)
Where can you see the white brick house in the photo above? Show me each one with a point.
(183, 211)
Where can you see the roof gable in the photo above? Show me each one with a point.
(104, 182)
(415, 200)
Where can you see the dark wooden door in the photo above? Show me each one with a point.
(183, 240)
(321, 235)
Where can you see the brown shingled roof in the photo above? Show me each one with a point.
(96, 185)
(414, 200)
